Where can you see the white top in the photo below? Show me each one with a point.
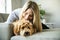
(13, 16)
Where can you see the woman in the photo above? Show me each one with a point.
(30, 11)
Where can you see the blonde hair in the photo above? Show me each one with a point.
(36, 17)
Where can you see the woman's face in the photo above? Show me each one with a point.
(28, 14)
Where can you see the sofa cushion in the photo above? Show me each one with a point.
(49, 34)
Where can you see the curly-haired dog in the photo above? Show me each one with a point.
(24, 28)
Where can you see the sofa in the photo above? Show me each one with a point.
(3, 17)
(6, 32)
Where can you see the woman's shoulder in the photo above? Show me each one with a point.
(17, 10)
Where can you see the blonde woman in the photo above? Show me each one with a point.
(29, 11)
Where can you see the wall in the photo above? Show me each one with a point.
(16, 4)
(23, 2)
(52, 8)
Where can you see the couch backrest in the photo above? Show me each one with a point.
(3, 17)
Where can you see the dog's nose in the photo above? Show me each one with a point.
(26, 34)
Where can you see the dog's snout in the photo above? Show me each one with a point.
(26, 33)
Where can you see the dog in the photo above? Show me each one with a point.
(23, 27)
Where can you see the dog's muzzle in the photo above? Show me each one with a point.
(26, 33)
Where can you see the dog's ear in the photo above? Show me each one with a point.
(11, 26)
(16, 29)
(34, 28)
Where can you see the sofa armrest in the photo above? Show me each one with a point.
(5, 31)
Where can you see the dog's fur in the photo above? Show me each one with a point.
(23, 27)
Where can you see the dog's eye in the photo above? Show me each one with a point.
(28, 27)
(22, 27)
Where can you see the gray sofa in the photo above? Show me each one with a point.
(6, 32)
(3, 17)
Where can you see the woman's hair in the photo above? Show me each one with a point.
(36, 14)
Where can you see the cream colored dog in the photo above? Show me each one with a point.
(24, 28)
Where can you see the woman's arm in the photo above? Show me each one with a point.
(13, 16)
